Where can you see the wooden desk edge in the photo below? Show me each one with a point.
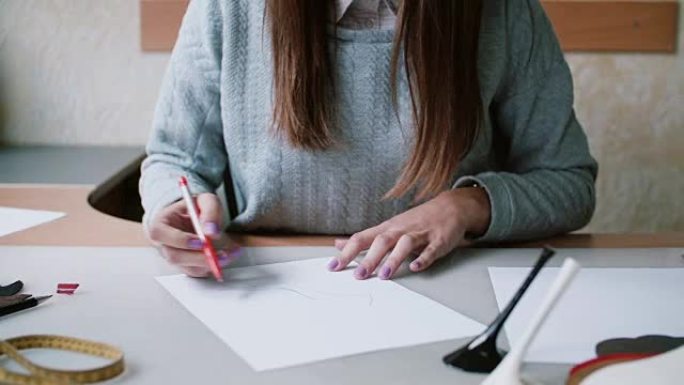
(85, 226)
(637, 240)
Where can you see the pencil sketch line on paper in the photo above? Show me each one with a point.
(294, 291)
(321, 296)
(334, 294)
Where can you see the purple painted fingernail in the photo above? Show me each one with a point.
(332, 265)
(361, 272)
(195, 243)
(386, 272)
(235, 253)
(416, 265)
(211, 228)
(223, 258)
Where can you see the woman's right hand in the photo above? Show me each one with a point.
(171, 230)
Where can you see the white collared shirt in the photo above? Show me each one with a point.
(366, 14)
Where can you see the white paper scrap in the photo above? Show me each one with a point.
(601, 304)
(14, 219)
(292, 313)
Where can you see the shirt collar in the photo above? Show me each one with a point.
(341, 7)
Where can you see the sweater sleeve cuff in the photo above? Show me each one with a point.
(165, 192)
(500, 202)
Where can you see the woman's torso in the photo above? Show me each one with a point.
(338, 190)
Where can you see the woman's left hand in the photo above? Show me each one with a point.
(431, 229)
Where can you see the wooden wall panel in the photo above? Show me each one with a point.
(581, 25)
(625, 25)
(159, 23)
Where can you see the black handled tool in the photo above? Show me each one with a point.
(481, 354)
(25, 304)
(11, 289)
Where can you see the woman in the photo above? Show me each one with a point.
(415, 125)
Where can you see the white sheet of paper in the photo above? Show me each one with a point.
(293, 313)
(13, 219)
(600, 304)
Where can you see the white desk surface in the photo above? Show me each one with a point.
(120, 303)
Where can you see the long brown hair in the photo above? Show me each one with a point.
(437, 40)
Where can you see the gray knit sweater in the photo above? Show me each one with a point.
(215, 109)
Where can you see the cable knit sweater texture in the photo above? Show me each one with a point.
(215, 109)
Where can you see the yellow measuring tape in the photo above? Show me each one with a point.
(40, 375)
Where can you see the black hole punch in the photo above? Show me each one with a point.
(481, 354)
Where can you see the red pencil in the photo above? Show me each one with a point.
(207, 247)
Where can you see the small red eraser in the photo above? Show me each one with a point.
(67, 288)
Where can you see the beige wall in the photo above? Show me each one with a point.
(632, 107)
(71, 72)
